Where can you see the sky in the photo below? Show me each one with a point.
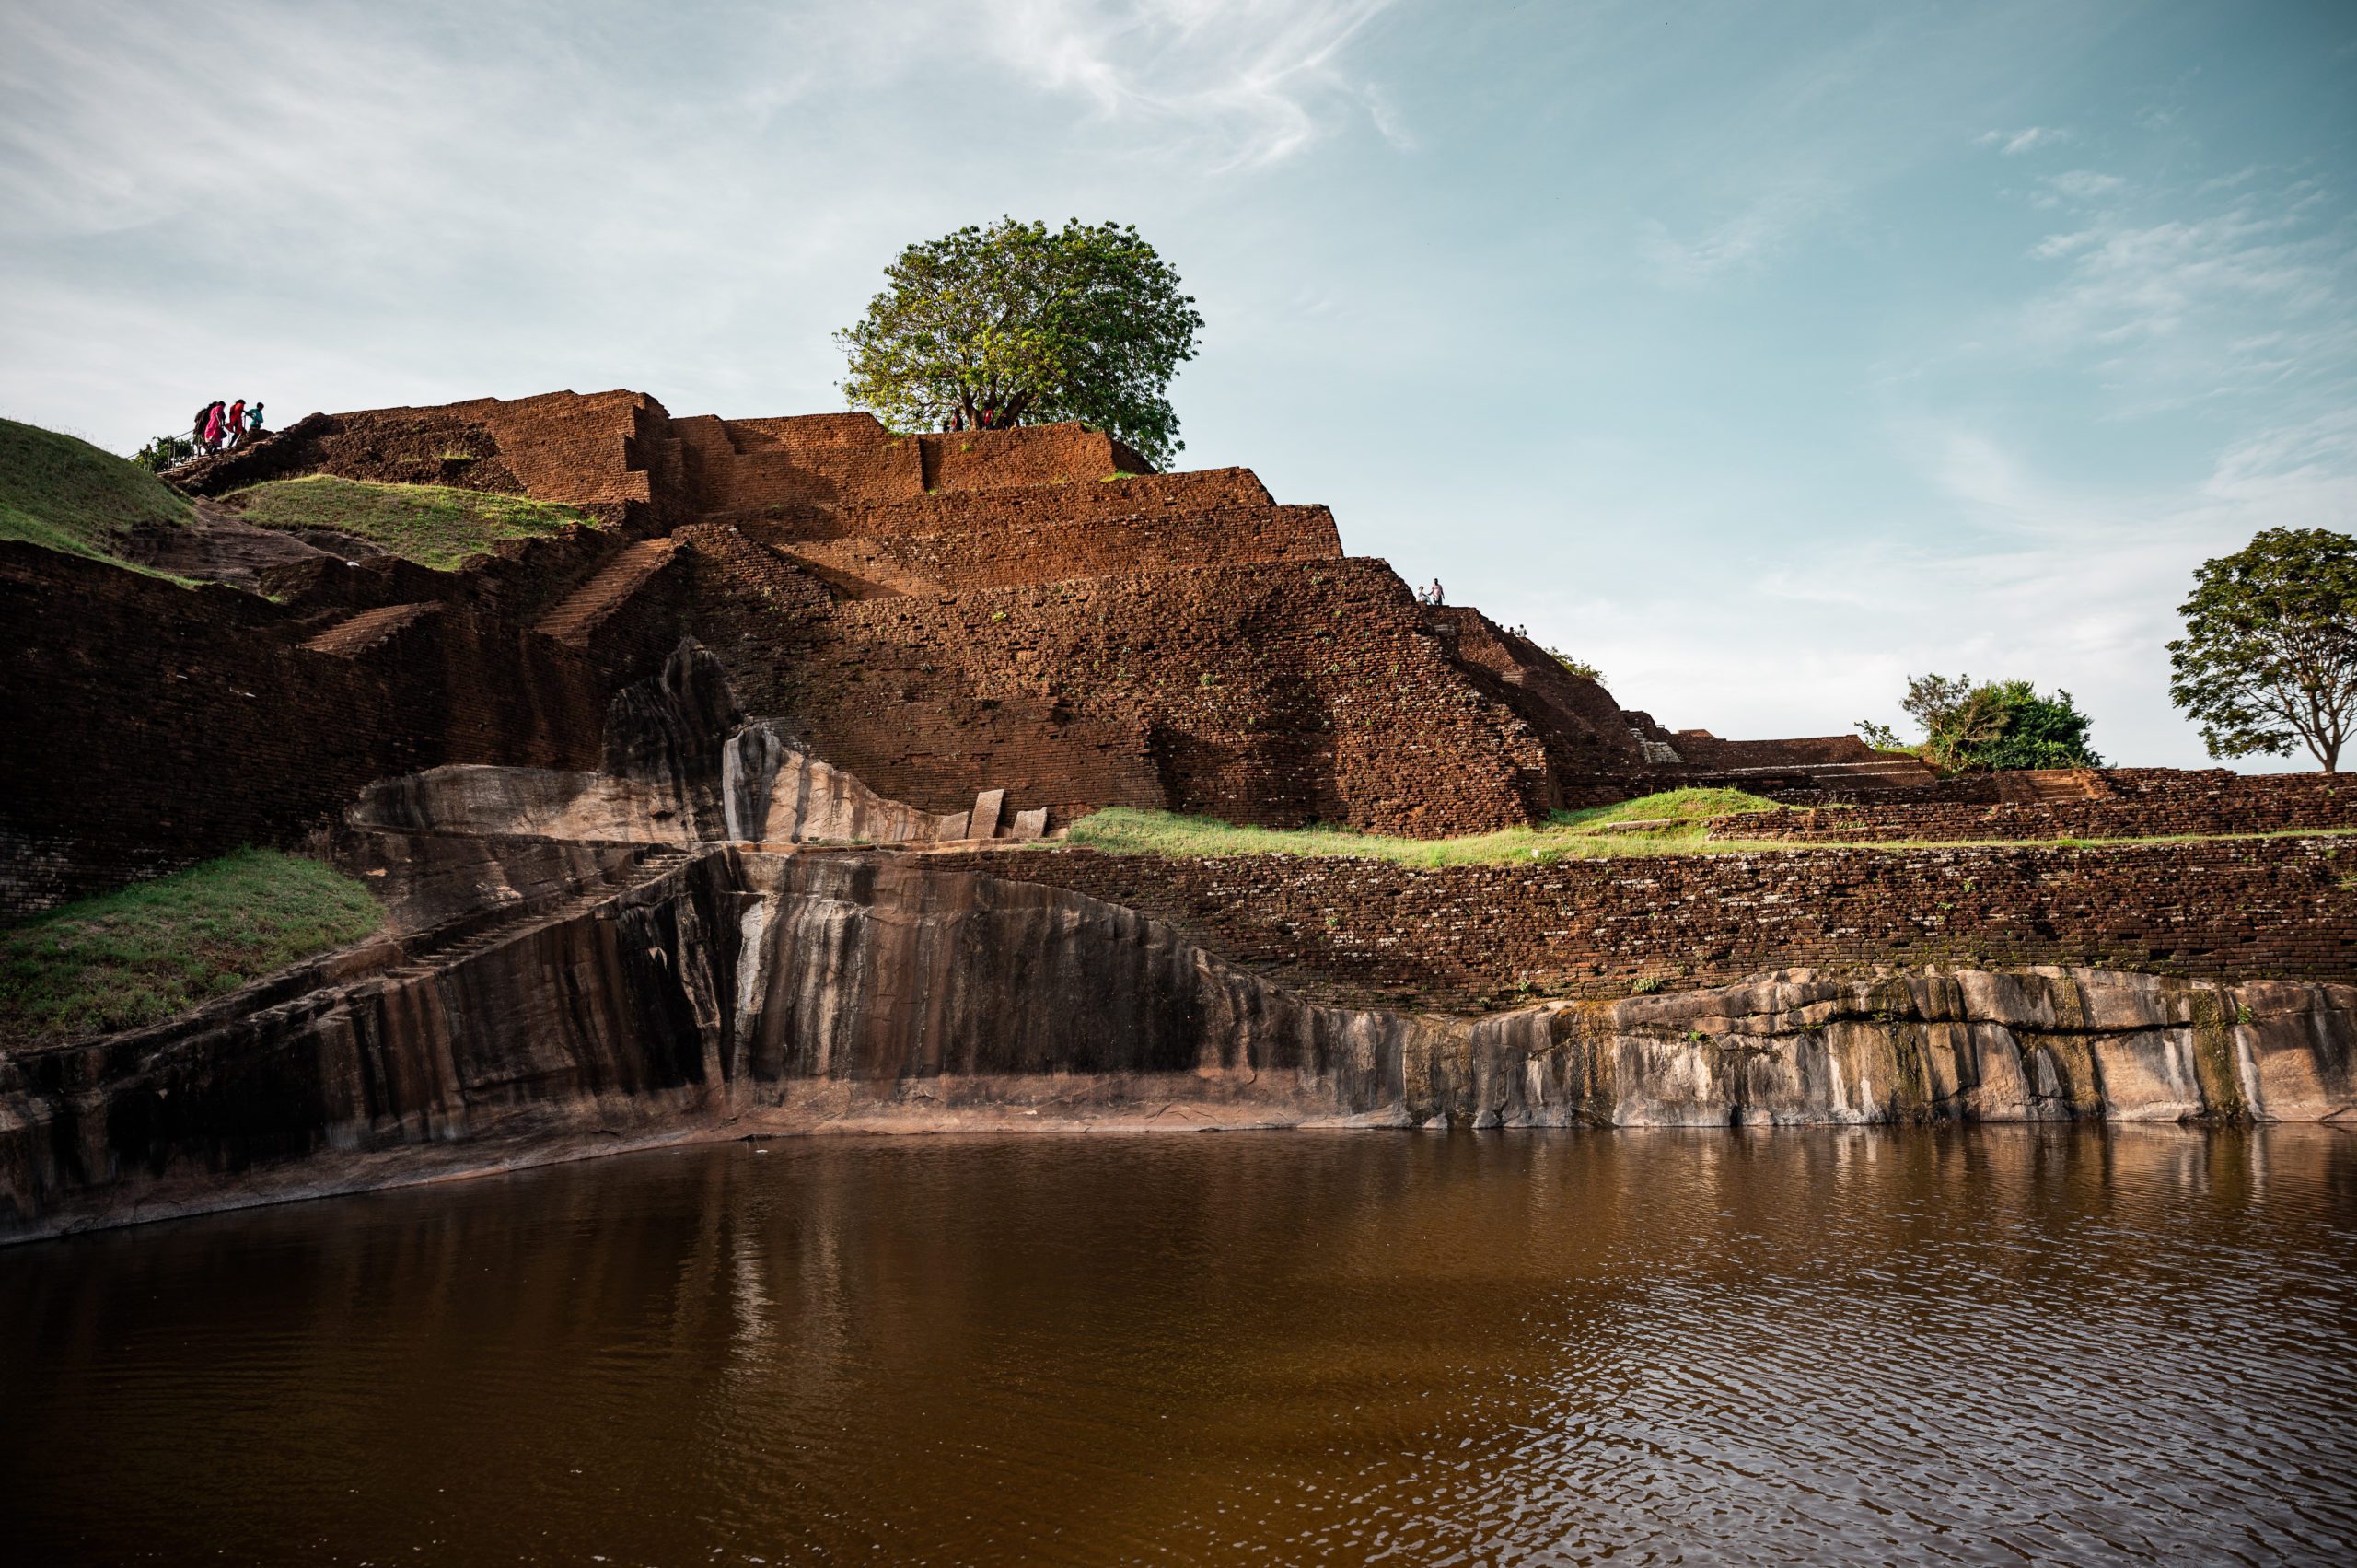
(1760, 353)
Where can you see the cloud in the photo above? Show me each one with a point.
(483, 198)
(2013, 144)
(2260, 294)
(2076, 185)
(1767, 226)
(1249, 82)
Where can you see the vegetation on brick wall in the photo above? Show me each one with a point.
(154, 950)
(1991, 726)
(430, 524)
(1019, 324)
(66, 494)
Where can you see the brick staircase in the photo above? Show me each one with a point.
(356, 634)
(2045, 786)
(582, 611)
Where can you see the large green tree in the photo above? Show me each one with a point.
(1021, 324)
(2269, 650)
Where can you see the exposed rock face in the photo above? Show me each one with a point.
(740, 993)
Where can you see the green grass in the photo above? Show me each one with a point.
(1609, 830)
(66, 494)
(151, 951)
(430, 524)
(1673, 822)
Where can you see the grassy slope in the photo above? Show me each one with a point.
(154, 950)
(1681, 814)
(66, 494)
(430, 524)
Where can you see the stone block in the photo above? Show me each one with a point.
(1030, 825)
(984, 824)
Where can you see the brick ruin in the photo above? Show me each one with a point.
(1028, 611)
(603, 780)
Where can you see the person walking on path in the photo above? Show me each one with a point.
(213, 428)
(254, 419)
(196, 429)
(234, 427)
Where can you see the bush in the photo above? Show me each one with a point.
(164, 452)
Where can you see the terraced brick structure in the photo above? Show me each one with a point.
(1032, 609)
(715, 802)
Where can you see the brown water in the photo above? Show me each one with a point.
(1287, 1348)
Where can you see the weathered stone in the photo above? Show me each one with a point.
(982, 821)
(742, 991)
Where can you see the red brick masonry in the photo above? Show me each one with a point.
(1469, 936)
(2136, 803)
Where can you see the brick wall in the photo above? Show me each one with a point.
(1277, 692)
(990, 513)
(1033, 552)
(561, 447)
(1589, 747)
(1471, 936)
(150, 725)
(1030, 455)
(2133, 803)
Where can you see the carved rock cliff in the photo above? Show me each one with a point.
(737, 992)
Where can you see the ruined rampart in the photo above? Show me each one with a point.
(2118, 803)
(1482, 936)
(151, 724)
(1035, 553)
(1277, 693)
(989, 513)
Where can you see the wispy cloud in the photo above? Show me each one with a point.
(2029, 138)
(1251, 81)
(2259, 293)
(1764, 227)
(2075, 185)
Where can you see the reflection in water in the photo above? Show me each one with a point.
(1532, 1347)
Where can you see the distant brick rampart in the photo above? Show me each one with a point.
(1092, 548)
(1478, 936)
(2128, 803)
(990, 513)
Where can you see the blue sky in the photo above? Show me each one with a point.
(1762, 353)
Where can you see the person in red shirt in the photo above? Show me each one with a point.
(235, 426)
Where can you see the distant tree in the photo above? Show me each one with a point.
(1991, 725)
(164, 452)
(1881, 737)
(1027, 325)
(2269, 650)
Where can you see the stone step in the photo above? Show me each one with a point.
(585, 607)
(355, 634)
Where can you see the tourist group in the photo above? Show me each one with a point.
(220, 426)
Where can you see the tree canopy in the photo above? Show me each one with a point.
(1016, 324)
(1990, 727)
(2269, 650)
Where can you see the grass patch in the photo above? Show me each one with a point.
(66, 494)
(155, 949)
(431, 524)
(1671, 821)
